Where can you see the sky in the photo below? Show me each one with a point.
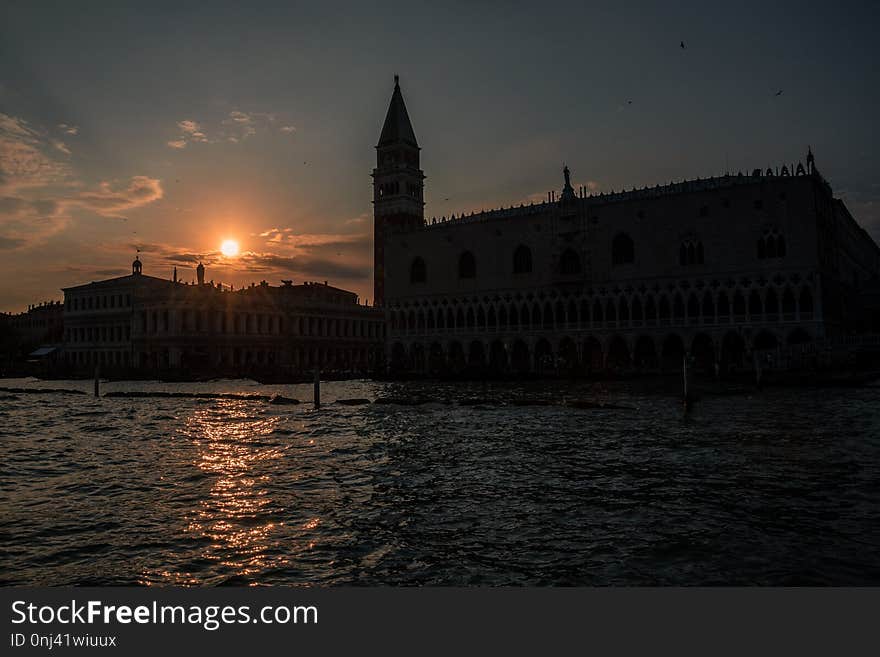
(170, 129)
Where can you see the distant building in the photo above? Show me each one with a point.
(148, 324)
(41, 324)
(30, 341)
(716, 268)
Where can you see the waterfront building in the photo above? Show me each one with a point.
(30, 340)
(718, 269)
(40, 324)
(149, 324)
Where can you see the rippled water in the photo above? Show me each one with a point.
(781, 487)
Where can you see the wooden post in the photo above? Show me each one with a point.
(687, 400)
(317, 388)
(97, 380)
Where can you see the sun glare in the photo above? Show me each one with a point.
(229, 248)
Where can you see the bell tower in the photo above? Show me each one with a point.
(398, 185)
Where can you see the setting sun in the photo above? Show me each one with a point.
(229, 248)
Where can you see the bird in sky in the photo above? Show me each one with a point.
(682, 45)
(779, 93)
(629, 102)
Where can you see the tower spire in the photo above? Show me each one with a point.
(398, 185)
(397, 126)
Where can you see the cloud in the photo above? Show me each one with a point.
(40, 193)
(236, 127)
(7, 243)
(26, 156)
(359, 220)
(188, 126)
(61, 146)
(304, 267)
(191, 130)
(109, 200)
(240, 117)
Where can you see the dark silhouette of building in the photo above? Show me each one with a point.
(147, 324)
(720, 269)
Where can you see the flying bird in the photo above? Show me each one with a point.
(682, 45)
(779, 93)
(629, 102)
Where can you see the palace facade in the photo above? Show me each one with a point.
(719, 269)
(153, 325)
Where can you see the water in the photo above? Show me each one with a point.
(781, 487)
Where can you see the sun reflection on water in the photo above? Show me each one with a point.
(236, 514)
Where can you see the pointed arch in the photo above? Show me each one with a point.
(739, 303)
(756, 308)
(610, 311)
(467, 265)
(569, 263)
(622, 250)
(806, 302)
(638, 316)
(622, 309)
(788, 301)
(650, 311)
(708, 308)
(678, 306)
(663, 311)
(693, 308)
(585, 313)
(418, 272)
(522, 260)
(771, 305)
(560, 313)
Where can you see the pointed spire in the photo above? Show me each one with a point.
(397, 126)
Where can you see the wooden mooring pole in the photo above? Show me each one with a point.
(97, 380)
(317, 388)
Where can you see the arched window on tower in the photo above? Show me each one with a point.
(622, 250)
(522, 260)
(569, 263)
(467, 265)
(418, 271)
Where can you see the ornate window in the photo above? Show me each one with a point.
(690, 252)
(467, 265)
(417, 271)
(570, 263)
(771, 244)
(622, 250)
(522, 260)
